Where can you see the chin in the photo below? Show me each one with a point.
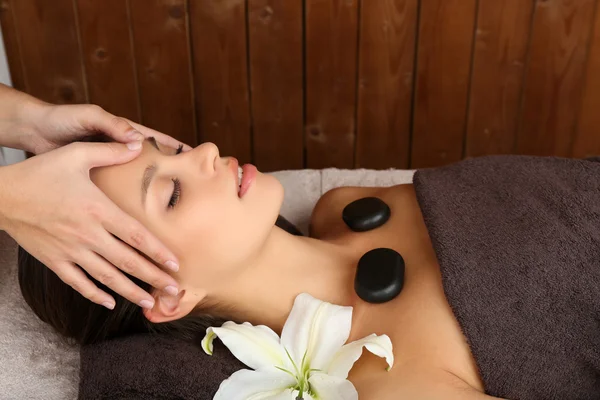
(270, 194)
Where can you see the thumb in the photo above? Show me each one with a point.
(94, 155)
(114, 127)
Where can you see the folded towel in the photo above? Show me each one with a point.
(518, 242)
(153, 367)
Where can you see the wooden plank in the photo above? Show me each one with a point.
(161, 42)
(554, 76)
(50, 51)
(587, 138)
(442, 82)
(331, 31)
(386, 68)
(221, 75)
(501, 44)
(276, 74)
(108, 56)
(11, 42)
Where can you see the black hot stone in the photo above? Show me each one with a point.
(379, 276)
(366, 214)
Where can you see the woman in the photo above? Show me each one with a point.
(235, 264)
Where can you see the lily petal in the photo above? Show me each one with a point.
(317, 329)
(344, 360)
(328, 387)
(256, 346)
(267, 384)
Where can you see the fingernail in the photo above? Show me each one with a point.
(172, 265)
(134, 145)
(147, 304)
(172, 290)
(109, 305)
(135, 136)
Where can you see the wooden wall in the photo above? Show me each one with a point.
(291, 84)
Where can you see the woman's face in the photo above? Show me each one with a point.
(190, 201)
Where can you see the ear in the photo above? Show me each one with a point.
(169, 308)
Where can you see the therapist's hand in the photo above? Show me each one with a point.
(49, 205)
(53, 126)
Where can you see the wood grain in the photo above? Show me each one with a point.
(502, 39)
(554, 76)
(221, 75)
(442, 82)
(108, 56)
(161, 42)
(386, 76)
(48, 38)
(587, 138)
(331, 45)
(11, 42)
(276, 75)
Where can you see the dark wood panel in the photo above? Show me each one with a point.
(161, 41)
(50, 50)
(220, 62)
(554, 76)
(501, 44)
(386, 69)
(587, 139)
(11, 42)
(276, 75)
(331, 46)
(442, 83)
(108, 57)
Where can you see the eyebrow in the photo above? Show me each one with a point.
(146, 179)
(149, 172)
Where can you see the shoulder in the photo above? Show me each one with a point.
(326, 218)
(420, 383)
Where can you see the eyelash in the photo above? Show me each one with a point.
(176, 193)
(176, 185)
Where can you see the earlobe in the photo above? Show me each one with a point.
(169, 308)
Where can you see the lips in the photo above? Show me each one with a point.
(244, 176)
(249, 172)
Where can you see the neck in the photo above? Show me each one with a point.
(287, 266)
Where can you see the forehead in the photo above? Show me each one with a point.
(123, 183)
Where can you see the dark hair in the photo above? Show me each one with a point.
(84, 322)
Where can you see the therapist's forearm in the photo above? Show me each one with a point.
(16, 109)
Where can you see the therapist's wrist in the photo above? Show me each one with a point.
(31, 117)
(19, 119)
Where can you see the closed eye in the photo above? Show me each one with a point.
(176, 193)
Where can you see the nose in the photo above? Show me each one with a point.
(206, 154)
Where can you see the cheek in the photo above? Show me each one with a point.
(218, 235)
(207, 231)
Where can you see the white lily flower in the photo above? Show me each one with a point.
(310, 362)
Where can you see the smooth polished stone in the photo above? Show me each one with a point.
(379, 276)
(366, 214)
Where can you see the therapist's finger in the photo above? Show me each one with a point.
(130, 231)
(73, 276)
(119, 129)
(106, 273)
(129, 261)
(160, 137)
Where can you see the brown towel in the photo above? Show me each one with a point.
(518, 241)
(151, 368)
